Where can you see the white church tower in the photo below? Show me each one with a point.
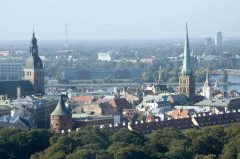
(207, 89)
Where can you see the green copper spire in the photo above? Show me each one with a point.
(61, 109)
(186, 69)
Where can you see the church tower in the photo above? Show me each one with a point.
(61, 117)
(187, 78)
(207, 89)
(34, 71)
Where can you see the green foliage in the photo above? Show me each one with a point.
(92, 143)
(205, 157)
(128, 137)
(18, 144)
(200, 75)
(130, 152)
(82, 153)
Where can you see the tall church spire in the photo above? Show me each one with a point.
(186, 69)
(187, 78)
(207, 78)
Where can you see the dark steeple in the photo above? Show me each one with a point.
(33, 45)
(34, 61)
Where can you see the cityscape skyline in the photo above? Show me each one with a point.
(118, 20)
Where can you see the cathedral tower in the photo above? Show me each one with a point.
(34, 71)
(187, 78)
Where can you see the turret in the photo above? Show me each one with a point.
(61, 117)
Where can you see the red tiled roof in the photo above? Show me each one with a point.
(82, 98)
(177, 113)
(150, 118)
(121, 103)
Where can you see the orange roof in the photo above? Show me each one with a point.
(150, 118)
(185, 113)
(82, 98)
(121, 103)
(177, 113)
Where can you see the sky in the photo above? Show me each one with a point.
(118, 19)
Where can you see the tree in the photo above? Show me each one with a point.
(205, 157)
(129, 137)
(130, 152)
(82, 153)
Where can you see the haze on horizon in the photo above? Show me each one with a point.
(118, 19)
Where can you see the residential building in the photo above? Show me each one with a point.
(4, 53)
(105, 56)
(227, 104)
(120, 104)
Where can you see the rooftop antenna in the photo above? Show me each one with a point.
(66, 36)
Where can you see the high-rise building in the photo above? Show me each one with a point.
(218, 39)
(208, 42)
(187, 78)
(34, 71)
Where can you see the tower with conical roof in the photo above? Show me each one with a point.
(187, 78)
(61, 117)
(207, 89)
(34, 71)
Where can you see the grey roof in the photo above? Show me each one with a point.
(198, 109)
(161, 87)
(179, 98)
(226, 102)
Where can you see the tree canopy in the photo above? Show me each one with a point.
(93, 143)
